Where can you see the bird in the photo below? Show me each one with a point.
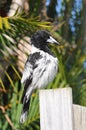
(40, 68)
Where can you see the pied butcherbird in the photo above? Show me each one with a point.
(40, 68)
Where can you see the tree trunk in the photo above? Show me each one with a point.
(84, 24)
(16, 4)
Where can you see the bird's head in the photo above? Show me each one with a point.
(42, 38)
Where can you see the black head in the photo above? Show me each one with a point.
(41, 39)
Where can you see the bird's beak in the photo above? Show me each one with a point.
(52, 40)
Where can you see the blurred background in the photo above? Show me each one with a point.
(19, 19)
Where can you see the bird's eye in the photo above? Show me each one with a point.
(48, 37)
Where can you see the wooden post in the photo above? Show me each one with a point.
(56, 109)
(79, 117)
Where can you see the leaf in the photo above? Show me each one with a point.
(2, 85)
(1, 24)
(17, 73)
(10, 80)
(6, 23)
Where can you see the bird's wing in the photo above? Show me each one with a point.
(27, 77)
(27, 73)
(30, 65)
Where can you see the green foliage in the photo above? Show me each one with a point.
(9, 38)
(71, 71)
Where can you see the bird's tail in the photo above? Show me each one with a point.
(24, 112)
(25, 100)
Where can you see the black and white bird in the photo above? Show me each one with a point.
(40, 68)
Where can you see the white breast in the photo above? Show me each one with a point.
(46, 70)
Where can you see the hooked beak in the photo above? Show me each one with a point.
(52, 40)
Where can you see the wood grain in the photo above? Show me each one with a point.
(56, 109)
(79, 117)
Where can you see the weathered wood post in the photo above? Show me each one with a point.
(79, 117)
(56, 112)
